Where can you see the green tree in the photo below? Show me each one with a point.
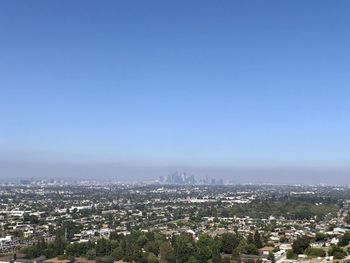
(152, 247)
(300, 244)
(59, 244)
(103, 247)
(241, 248)
(142, 240)
(32, 219)
(347, 218)
(229, 242)
(320, 236)
(337, 252)
(118, 253)
(251, 249)
(291, 254)
(184, 248)
(344, 240)
(204, 248)
(315, 252)
(91, 254)
(257, 240)
(216, 257)
(50, 251)
(32, 252)
(167, 254)
(152, 258)
(192, 259)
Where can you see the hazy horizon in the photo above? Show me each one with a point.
(247, 91)
(17, 170)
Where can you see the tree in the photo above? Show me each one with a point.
(70, 229)
(320, 236)
(152, 247)
(50, 252)
(257, 240)
(315, 252)
(216, 257)
(167, 254)
(344, 240)
(32, 219)
(251, 249)
(241, 248)
(337, 252)
(347, 218)
(59, 244)
(91, 254)
(31, 252)
(291, 255)
(184, 248)
(192, 259)
(132, 252)
(142, 240)
(114, 236)
(118, 253)
(152, 258)
(300, 244)
(41, 244)
(103, 247)
(229, 242)
(204, 248)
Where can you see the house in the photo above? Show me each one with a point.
(265, 251)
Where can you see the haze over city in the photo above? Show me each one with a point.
(248, 91)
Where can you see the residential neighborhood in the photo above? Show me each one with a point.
(261, 222)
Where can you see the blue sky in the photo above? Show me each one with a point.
(175, 83)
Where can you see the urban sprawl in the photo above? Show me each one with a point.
(174, 220)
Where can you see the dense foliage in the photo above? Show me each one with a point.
(290, 209)
(151, 247)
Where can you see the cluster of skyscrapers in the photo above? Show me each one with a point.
(178, 178)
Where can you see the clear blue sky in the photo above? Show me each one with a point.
(176, 83)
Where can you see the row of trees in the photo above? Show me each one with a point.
(290, 209)
(302, 246)
(152, 247)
